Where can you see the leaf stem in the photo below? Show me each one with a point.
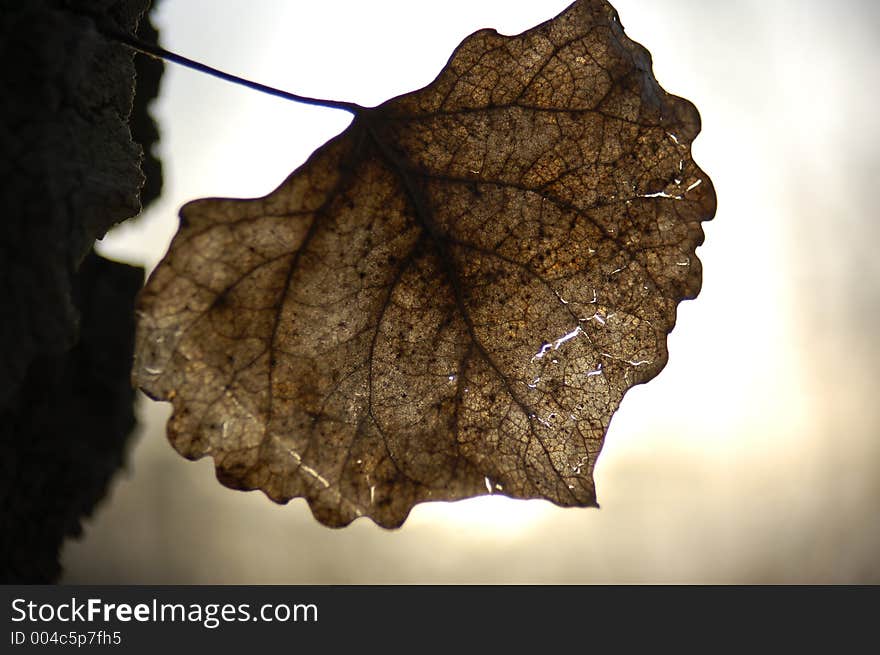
(158, 52)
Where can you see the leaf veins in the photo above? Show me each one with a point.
(448, 299)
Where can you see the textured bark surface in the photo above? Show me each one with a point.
(71, 171)
(448, 299)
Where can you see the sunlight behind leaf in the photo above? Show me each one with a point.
(450, 298)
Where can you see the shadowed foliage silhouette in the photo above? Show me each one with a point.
(448, 299)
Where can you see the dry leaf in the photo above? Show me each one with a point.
(450, 298)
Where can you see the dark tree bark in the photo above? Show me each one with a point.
(71, 169)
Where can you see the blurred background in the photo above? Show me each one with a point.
(753, 458)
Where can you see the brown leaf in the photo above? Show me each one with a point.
(448, 299)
